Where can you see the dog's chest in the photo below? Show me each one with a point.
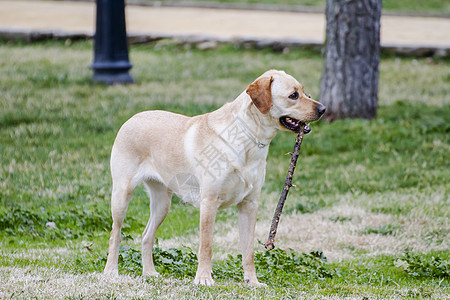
(232, 183)
(241, 184)
(229, 166)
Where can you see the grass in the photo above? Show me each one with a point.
(429, 6)
(371, 195)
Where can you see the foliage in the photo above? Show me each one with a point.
(179, 263)
(289, 265)
(130, 259)
(432, 266)
(72, 223)
(276, 266)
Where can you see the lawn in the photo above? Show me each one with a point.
(369, 217)
(424, 7)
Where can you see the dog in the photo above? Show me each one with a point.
(212, 161)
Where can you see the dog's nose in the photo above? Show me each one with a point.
(321, 109)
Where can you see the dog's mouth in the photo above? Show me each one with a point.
(294, 124)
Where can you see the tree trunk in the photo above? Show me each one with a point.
(349, 85)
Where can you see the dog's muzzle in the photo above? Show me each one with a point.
(294, 124)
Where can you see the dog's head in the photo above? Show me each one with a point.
(281, 97)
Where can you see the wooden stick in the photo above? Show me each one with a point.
(287, 184)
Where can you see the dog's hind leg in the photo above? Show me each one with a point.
(121, 196)
(160, 199)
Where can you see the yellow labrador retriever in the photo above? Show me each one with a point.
(212, 161)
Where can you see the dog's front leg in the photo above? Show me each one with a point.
(247, 220)
(208, 211)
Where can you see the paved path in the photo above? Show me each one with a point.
(65, 17)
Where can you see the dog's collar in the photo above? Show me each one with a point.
(248, 132)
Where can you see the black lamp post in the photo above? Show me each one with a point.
(111, 63)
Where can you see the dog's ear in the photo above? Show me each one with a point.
(261, 93)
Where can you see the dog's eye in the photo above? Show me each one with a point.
(294, 96)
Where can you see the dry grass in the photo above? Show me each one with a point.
(339, 231)
(43, 283)
(52, 283)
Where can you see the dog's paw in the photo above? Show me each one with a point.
(151, 274)
(258, 284)
(111, 272)
(255, 283)
(204, 281)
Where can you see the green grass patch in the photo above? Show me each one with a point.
(64, 224)
(430, 6)
(388, 229)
